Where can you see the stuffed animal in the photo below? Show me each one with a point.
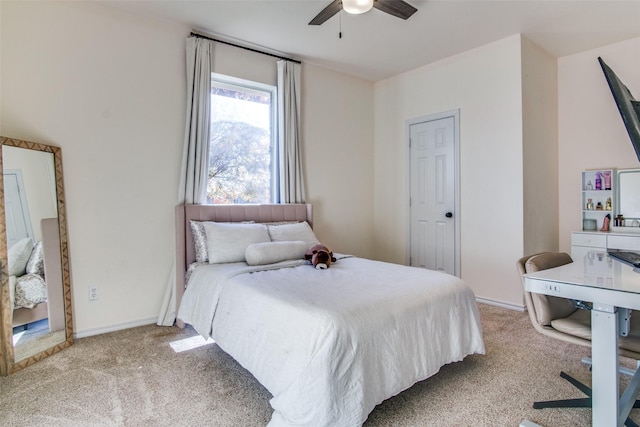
(320, 256)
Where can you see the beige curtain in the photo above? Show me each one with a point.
(290, 182)
(195, 155)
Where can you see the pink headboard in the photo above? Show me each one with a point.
(185, 252)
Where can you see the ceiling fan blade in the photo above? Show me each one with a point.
(398, 8)
(334, 7)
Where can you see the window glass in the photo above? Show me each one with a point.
(242, 142)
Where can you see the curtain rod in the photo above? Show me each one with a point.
(245, 47)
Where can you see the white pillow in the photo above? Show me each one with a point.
(18, 256)
(227, 242)
(272, 252)
(200, 239)
(293, 232)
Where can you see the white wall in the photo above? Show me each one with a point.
(485, 84)
(337, 117)
(591, 133)
(540, 149)
(109, 89)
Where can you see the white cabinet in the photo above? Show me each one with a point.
(626, 242)
(598, 198)
(583, 242)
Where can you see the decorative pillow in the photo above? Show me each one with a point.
(18, 256)
(227, 242)
(293, 232)
(272, 252)
(35, 265)
(30, 290)
(12, 290)
(199, 240)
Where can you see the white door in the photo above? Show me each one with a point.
(433, 193)
(18, 223)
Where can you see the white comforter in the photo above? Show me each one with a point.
(330, 345)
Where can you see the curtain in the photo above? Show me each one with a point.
(195, 155)
(193, 179)
(290, 182)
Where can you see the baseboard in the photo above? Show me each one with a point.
(98, 331)
(519, 308)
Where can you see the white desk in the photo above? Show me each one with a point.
(610, 285)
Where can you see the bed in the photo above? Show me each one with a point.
(329, 345)
(36, 278)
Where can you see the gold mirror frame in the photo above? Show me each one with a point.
(7, 356)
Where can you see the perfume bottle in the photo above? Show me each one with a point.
(607, 206)
(589, 206)
(607, 180)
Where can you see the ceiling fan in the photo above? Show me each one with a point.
(398, 8)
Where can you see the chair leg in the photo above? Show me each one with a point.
(577, 384)
(584, 402)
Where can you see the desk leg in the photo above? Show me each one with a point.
(604, 353)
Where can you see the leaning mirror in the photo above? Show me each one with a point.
(629, 196)
(35, 303)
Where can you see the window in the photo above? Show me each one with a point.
(242, 141)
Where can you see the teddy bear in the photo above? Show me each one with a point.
(320, 256)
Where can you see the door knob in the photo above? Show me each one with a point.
(448, 214)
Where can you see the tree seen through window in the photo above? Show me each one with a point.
(240, 145)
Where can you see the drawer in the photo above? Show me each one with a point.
(591, 240)
(584, 252)
(630, 243)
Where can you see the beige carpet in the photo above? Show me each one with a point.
(136, 378)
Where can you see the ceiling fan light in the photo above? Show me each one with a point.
(356, 7)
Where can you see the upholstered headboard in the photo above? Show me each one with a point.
(185, 252)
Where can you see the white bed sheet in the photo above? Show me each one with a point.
(330, 345)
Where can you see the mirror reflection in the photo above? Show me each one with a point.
(628, 198)
(30, 199)
(36, 302)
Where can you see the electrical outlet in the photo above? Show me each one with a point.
(93, 293)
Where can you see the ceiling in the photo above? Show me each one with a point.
(375, 45)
